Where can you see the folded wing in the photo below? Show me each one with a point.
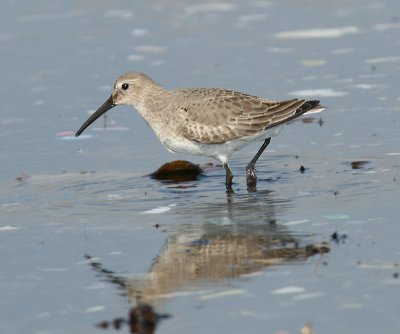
(215, 116)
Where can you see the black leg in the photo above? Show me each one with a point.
(229, 177)
(250, 169)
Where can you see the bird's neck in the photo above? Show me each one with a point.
(152, 104)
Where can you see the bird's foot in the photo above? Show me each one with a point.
(228, 182)
(251, 177)
(228, 179)
(251, 173)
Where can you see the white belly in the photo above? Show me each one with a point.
(218, 151)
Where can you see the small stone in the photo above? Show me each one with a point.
(178, 171)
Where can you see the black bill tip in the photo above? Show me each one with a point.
(102, 110)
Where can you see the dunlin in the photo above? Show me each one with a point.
(210, 122)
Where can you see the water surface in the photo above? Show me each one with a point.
(86, 234)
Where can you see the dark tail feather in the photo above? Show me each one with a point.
(306, 106)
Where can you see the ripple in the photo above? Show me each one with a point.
(316, 33)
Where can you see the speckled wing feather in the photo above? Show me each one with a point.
(236, 115)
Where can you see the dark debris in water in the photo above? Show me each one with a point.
(302, 169)
(338, 238)
(21, 178)
(359, 164)
(178, 171)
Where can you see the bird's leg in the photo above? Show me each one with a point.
(229, 177)
(250, 169)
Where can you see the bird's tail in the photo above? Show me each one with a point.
(310, 107)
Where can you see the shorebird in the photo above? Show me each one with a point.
(210, 122)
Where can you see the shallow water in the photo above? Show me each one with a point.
(84, 231)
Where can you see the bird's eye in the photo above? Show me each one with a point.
(125, 86)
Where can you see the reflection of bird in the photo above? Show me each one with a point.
(204, 121)
(190, 258)
(212, 258)
(143, 319)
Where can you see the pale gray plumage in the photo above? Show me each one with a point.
(212, 116)
(203, 121)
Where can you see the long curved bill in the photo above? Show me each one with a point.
(102, 110)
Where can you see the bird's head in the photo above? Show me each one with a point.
(128, 90)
